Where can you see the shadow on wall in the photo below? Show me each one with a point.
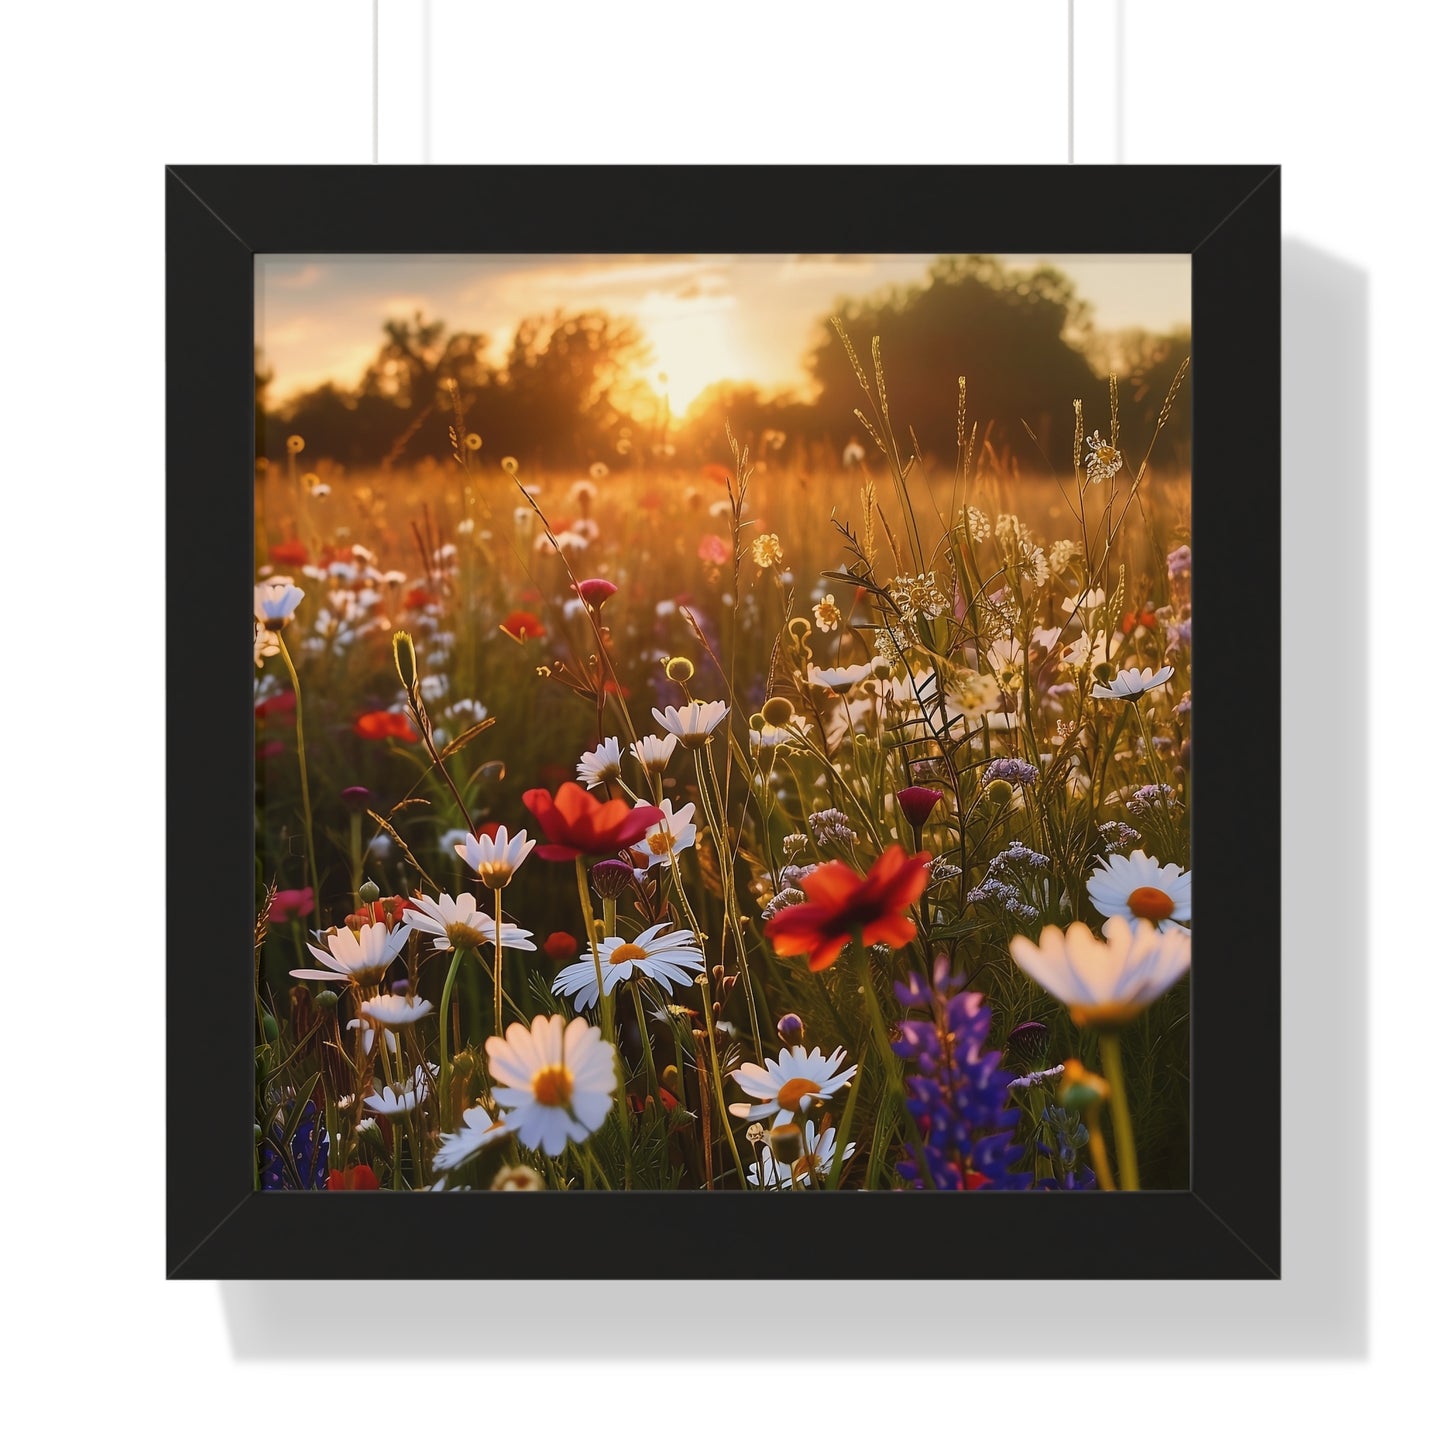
(1318, 1309)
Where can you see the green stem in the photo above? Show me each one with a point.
(646, 1041)
(305, 781)
(605, 1007)
(497, 964)
(717, 1077)
(1112, 1058)
(443, 1049)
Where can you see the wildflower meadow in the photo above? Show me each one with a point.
(775, 813)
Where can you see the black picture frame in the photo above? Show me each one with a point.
(1227, 218)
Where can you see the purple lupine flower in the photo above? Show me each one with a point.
(309, 1152)
(1009, 770)
(957, 1093)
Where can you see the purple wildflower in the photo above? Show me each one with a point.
(1181, 562)
(957, 1093)
(1009, 770)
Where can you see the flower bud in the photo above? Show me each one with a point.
(356, 798)
(1079, 1089)
(777, 712)
(786, 1142)
(560, 947)
(1028, 1045)
(1000, 793)
(918, 803)
(325, 1001)
(270, 1028)
(611, 878)
(679, 669)
(790, 1030)
(519, 1176)
(368, 892)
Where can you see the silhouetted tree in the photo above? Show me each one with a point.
(1001, 327)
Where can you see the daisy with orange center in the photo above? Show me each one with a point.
(555, 1080)
(666, 956)
(1140, 887)
(1105, 982)
(791, 1084)
(670, 835)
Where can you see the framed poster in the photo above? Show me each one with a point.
(719, 727)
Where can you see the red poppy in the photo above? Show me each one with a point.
(291, 903)
(418, 597)
(359, 1176)
(383, 910)
(576, 823)
(560, 947)
(842, 906)
(1131, 620)
(715, 472)
(289, 554)
(377, 725)
(277, 702)
(519, 626)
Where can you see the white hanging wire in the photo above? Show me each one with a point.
(1071, 82)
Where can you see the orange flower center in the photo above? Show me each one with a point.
(552, 1087)
(1151, 903)
(792, 1095)
(659, 842)
(626, 953)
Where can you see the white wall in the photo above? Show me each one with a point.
(98, 97)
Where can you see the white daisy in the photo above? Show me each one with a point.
(394, 1010)
(790, 1084)
(391, 1101)
(1107, 981)
(670, 835)
(1085, 603)
(665, 956)
(817, 1158)
(478, 1130)
(368, 1035)
(601, 766)
(1087, 652)
(458, 923)
(653, 752)
(356, 956)
(555, 1082)
(1141, 887)
(494, 860)
(1006, 658)
(1132, 683)
(276, 602)
(694, 723)
(842, 678)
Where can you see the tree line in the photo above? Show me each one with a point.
(570, 389)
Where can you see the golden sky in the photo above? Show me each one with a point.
(708, 318)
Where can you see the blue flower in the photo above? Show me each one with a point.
(309, 1153)
(956, 1091)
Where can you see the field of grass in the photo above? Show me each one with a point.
(819, 943)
